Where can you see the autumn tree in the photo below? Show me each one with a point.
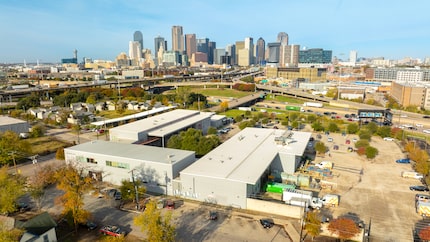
(223, 106)
(43, 177)
(12, 235)
(59, 155)
(332, 127)
(313, 224)
(11, 188)
(343, 228)
(158, 227)
(74, 184)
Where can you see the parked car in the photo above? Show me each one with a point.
(427, 131)
(347, 142)
(267, 223)
(329, 139)
(112, 230)
(90, 225)
(335, 147)
(404, 161)
(419, 188)
(118, 195)
(388, 139)
(426, 116)
(170, 204)
(213, 215)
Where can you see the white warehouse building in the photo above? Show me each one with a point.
(238, 169)
(113, 162)
(156, 130)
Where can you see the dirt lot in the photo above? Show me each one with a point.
(374, 189)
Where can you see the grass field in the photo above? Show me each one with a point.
(220, 92)
(45, 145)
(284, 99)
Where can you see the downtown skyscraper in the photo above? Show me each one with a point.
(178, 39)
(138, 37)
(190, 44)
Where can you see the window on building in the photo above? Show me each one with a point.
(118, 164)
(91, 160)
(45, 238)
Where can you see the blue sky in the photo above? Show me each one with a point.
(100, 29)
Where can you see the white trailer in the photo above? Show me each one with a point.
(423, 208)
(312, 104)
(301, 198)
(246, 108)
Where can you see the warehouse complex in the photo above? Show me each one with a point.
(239, 168)
(156, 130)
(113, 162)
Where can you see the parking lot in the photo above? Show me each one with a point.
(374, 189)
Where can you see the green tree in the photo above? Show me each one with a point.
(293, 116)
(128, 190)
(371, 127)
(332, 127)
(295, 124)
(311, 118)
(371, 152)
(320, 147)
(38, 130)
(313, 224)
(31, 101)
(384, 131)
(158, 227)
(192, 139)
(11, 188)
(362, 143)
(365, 134)
(74, 184)
(317, 126)
(238, 118)
(12, 148)
(352, 128)
(212, 130)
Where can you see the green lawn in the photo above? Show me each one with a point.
(284, 99)
(221, 92)
(115, 114)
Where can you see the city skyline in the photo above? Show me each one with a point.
(49, 31)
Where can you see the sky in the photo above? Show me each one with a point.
(48, 30)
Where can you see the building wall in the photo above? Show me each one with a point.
(17, 127)
(311, 74)
(284, 163)
(214, 190)
(408, 95)
(155, 175)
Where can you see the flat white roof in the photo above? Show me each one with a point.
(180, 125)
(245, 156)
(5, 120)
(132, 151)
(164, 123)
(133, 116)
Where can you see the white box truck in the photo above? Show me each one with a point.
(301, 198)
(312, 104)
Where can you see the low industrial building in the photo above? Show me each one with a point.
(113, 162)
(16, 125)
(156, 130)
(239, 168)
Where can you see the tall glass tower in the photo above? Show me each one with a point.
(138, 37)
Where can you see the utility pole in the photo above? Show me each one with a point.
(135, 189)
